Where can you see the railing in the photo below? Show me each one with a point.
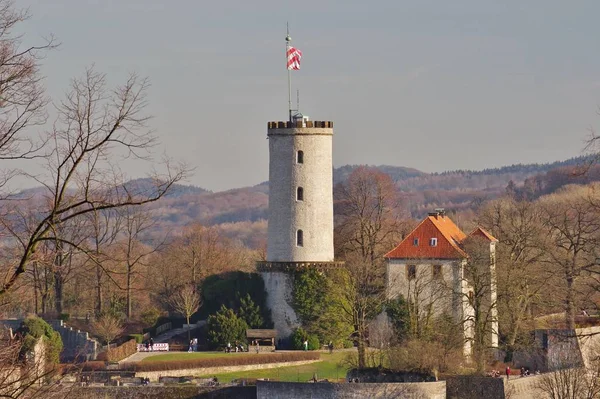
(163, 327)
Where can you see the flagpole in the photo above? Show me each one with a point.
(288, 39)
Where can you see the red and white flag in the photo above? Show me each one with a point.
(293, 58)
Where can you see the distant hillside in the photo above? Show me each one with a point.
(241, 213)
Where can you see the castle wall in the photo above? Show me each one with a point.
(279, 286)
(76, 344)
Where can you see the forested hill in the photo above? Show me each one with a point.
(242, 212)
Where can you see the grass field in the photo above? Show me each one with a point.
(329, 367)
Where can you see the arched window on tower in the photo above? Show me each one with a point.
(300, 194)
(300, 157)
(300, 238)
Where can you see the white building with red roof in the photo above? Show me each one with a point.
(429, 268)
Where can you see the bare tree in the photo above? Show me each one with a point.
(22, 99)
(480, 317)
(95, 129)
(572, 380)
(26, 375)
(186, 302)
(108, 327)
(572, 225)
(104, 228)
(521, 275)
(367, 226)
(135, 223)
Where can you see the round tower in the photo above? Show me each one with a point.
(300, 192)
(300, 229)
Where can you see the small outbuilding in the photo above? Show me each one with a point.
(261, 340)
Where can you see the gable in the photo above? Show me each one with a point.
(447, 234)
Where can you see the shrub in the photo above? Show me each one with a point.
(397, 311)
(139, 338)
(313, 343)
(93, 366)
(224, 327)
(298, 337)
(229, 288)
(32, 329)
(150, 316)
(222, 361)
(120, 352)
(64, 316)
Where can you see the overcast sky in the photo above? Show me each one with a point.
(433, 85)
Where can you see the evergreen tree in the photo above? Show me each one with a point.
(225, 326)
(250, 312)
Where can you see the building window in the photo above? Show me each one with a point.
(300, 157)
(436, 272)
(300, 194)
(411, 272)
(300, 238)
(415, 242)
(433, 242)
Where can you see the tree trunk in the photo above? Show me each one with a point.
(128, 292)
(188, 328)
(569, 305)
(58, 292)
(99, 297)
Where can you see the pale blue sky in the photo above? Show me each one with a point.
(434, 85)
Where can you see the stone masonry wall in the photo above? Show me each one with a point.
(294, 390)
(76, 343)
(314, 214)
(159, 392)
(279, 286)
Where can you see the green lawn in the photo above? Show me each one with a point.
(329, 367)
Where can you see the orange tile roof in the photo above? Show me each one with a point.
(479, 232)
(448, 237)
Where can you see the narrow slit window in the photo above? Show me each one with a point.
(300, 157)
(300, 194)
(411, 272)
(437, 272)
(300, 238)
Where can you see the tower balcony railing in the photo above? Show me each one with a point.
(266, 266)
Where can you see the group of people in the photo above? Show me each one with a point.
(238, 347)
(524, 372)
(193, 345)
(149, 345)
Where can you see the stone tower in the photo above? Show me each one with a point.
(300, 232)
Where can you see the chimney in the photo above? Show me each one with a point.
(438, 212)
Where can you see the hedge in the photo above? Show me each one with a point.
(120, 352)
(234, 360)
(139, 338)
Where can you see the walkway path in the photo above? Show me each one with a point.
(165, 337)
(139, 356)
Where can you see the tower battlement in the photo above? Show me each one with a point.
(299, 124)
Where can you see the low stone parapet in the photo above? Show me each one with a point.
(325, 390)
(155, 375)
